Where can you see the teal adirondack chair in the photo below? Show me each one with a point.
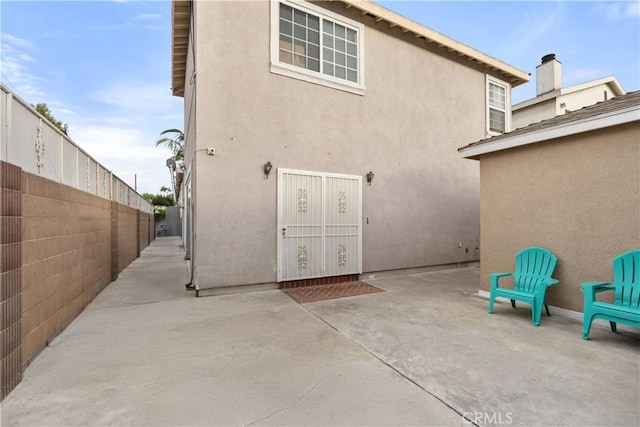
(531, 278)
(626, 285)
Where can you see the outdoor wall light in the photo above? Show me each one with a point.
(267, 169)
(370, 176)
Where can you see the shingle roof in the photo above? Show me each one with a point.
(622, 102)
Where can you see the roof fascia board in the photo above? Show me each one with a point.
(538, 99)
(613, 118)
(511, 74)
(180, 30)
(381, 13)
(610, 81)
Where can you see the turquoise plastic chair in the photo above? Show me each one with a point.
(625, 285)
(531, 278)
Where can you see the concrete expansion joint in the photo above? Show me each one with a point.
(286, 408)
(132, 304)
(394, 369)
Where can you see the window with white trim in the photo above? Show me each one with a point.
(498, 106)
(317, 45)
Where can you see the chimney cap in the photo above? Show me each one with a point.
(548, 58)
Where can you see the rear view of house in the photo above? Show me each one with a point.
(358, 111)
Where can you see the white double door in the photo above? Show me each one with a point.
(319, 224)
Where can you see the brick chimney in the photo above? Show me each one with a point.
(548, 75)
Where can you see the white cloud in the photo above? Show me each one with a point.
(132, 97)
(580, 75)
(633, 9)
(123, 127)
(147, 16)
(619, 10)
(14, 66)
(17, 41)
(54, 34)
(25, 57)
(533, 26)
(128, 152)
(157, 27)
(61, 109)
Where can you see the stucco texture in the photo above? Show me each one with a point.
(418, 107)
(577, 196)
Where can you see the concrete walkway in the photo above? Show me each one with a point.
(146, 352)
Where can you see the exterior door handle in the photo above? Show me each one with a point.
(284, 231)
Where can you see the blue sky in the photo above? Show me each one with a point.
(104, 67)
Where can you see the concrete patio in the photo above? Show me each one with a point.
(424, 352)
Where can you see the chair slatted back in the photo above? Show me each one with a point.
(626, 278)
(533, 266)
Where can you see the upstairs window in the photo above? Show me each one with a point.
(498, 107)
(325, 48)
(299, 38)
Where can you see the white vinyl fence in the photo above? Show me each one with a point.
(29, 141)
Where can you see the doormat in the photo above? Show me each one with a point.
(326, 292)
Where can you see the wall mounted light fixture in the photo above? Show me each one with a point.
(370, 176)
(267, 169)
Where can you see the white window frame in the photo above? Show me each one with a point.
(304, 74)
(507, 112)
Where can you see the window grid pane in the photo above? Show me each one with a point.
(299, 38)
(497, 107)
(496, 120)
(340, 53)
(497, 96)
(337, 56)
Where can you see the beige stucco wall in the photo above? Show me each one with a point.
(533, 114)
(583, 98)
(578, 196)
(560, 104)
(417, 109)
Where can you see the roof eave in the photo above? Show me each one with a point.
(180, 28)
(511, 74)
(612, 118)
(610, 81)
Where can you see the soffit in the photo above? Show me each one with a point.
(620, 109)
(181, 18)
(508, 73)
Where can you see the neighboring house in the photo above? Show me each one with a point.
(553, 100)
(570, 184)
(327, 92)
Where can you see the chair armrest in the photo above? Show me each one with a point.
(495, 277)
(498, 275)
(590, 289)
(550, 282)
(541, 289)
(597, 286)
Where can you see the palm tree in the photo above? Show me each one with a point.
(175, 143)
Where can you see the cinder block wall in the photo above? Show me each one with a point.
(66, 257)
(10, 277)
(60, 247)
(127, 236)
(144, 233)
